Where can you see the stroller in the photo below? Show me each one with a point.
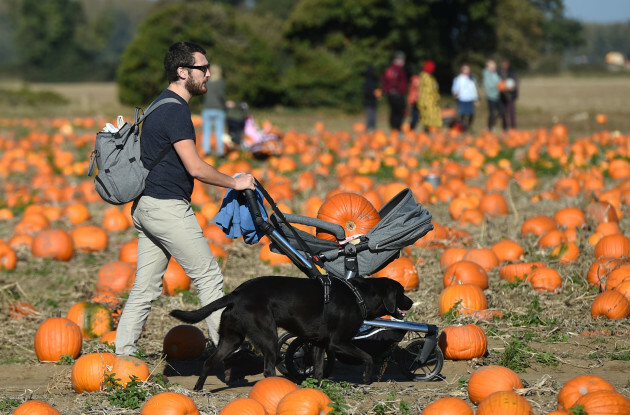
(403, 221)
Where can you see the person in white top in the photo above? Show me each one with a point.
(465, 91)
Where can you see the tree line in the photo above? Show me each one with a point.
(301, 53)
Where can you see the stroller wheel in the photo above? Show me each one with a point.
(283, 343)
(298, 360)
(410, 366)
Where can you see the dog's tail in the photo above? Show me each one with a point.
(195, 316)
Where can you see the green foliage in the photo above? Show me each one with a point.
(578, 410)
(334, 390)
(187, 296)
(515, 356)
(453, 312)
(130, 396)
(8, 404)
(248, 64)
(66, 359)
(389, 406)
(28, 98)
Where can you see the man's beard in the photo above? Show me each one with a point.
(194, 88)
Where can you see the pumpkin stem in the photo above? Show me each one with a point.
(350, 226)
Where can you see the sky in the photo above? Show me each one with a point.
(598, 11)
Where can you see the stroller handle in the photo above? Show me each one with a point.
(333, 228)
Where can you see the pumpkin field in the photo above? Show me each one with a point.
(526, 272)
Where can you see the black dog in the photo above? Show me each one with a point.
(259, 306)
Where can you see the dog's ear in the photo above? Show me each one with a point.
(390, 300)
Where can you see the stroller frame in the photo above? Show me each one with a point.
(421, 359)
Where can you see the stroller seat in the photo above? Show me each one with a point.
(402, 223)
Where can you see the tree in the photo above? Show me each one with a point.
(249, 65)
(45, 37)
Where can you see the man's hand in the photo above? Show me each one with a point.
(244, 181)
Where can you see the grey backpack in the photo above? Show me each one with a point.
(121, 172)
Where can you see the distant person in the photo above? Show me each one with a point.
(412, 101)
(490, 80)
(394, 84)
(429, 98)
(213, 111)
(370, 97)
(465, 91)
(509, 94)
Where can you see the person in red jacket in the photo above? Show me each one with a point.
(394, 85)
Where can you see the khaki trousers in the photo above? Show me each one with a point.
(166, 228)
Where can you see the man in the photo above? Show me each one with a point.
(490, 79)
(509, 94)
(465, 91)
(394, 84)
(163, 216)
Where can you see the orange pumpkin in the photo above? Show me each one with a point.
(507, 250)
(600, 268)
(617, 276)
(570, 217)
(482, 256)
(463, 342)
(116, 277)
(90, 370)
(465, 272)
(305, 401)
(578, 386)
(354, 213)
(566, 252)
(175, 278)
(90, 238)
(8, 257)
(127, 367)
(613, 246)
(604, 402)
(36, 407)
(601, 212)
(471, 296)
(493, 204)
(611, 304)
(489, 379)
(545, 279)
(243, 406)
(538, 225)
(20, 309)
(108, 338)
(518, 271)
(270, 391)
(129, 252)
(551, 239)
(451, 255)
(53, 243)
(448, 406)
(402, 270)
(184, 342)
(169, 403)
(55, 337)
(504, 403)
(76, 213)
(94, 319)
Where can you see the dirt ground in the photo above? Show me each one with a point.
(549, 338)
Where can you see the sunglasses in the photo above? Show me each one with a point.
(202, 68)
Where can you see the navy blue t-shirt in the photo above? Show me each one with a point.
(165, 126)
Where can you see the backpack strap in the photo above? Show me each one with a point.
(154, 105)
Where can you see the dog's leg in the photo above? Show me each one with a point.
(319, 354)
(228, 343)
(351, 350)
(265, 338)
